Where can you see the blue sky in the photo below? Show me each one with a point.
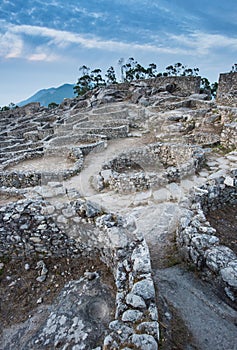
(43, 43)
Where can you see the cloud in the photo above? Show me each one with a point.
(63, 39)
(25, 41)
(42, 56)
(204, 43)
(11, 45)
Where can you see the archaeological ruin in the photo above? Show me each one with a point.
(105, 236)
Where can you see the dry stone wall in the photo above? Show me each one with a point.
(150, 167)
(229, 136)
(227, 89)
(197, 240)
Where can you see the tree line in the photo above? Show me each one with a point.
(132, 70)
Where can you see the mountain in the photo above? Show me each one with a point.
(47, 96)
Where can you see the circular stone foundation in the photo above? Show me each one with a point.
(52, 163)
(150, 167)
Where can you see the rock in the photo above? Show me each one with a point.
(106, 174)
(35, 239)
(144, 341)
(229, 274)
(161, 195)
(41, 278)
(27, 267)
(132, 315)
(1, 266)
(117, 238)
(91, 275)
(219, 257)
(62, 220)
(141, 259)
(202, 97)
(69, 212)
(121, 329)
(229, 181)
(170, 87)
(144, 289)
(153, 312)
(151, 328)
(135, 301)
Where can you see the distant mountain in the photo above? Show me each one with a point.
(47, 96)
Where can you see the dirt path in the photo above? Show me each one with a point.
(203, 315)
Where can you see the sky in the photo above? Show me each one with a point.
(44, 43)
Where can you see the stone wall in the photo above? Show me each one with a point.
(183, 86)
(229, 136)
(81, 228)
(22, 179)
(150, 167)
(197, 240)
(227, 89)
(109, 132)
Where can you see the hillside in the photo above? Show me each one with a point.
(46, 96)
(118, 219)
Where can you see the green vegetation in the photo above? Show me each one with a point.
(52, 105)
(9, 107)
(132, 70)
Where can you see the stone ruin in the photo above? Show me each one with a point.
(91, 177)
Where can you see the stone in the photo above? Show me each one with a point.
(117, 238)
(62, 220)
(141, 259)
(219, 257)
(144, 341)
(41, 278)
(132, 315)
(35, 239)
(27, 267)
(91, 275)
(174, 190)
(229, 181)
(161, 195)
(135, 301)
(229, 274)
(121, 329)
(153, 312)
(69, 212)
(144, 288)
(106, 174)
(202, 242)
(151, 328)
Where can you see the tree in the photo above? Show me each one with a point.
(110, 75)
(178, 69)
(84, 82)
(129, 70)
(11, 106)
(52, 105)
(205, 85)
(234, 68)
(96, 78)
(214, 87)
(151, 70)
